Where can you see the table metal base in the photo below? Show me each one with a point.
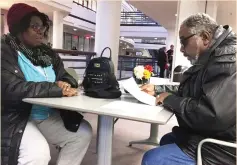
(152, 140)
(105, 140)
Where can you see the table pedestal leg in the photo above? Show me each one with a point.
(152, 140)
(105, 140)
(97, 134)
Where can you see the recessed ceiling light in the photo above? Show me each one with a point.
(75, 29)
(176, 15)
(155, 38)
(122, 37)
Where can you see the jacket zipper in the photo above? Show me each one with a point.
(45, 75)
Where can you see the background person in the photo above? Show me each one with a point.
(162, 61)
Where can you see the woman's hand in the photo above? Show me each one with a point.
(70, 92)
(65, 86)
(149, 89)
(161, 97)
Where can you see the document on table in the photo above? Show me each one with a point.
(131, 86)
(129, 108)
(162, 81)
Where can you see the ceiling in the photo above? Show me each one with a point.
(226, 14)
(76, 31)
(39, 5)
(162, 12)
(43, 7)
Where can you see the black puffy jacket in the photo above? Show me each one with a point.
(14, 112)
(205, 105)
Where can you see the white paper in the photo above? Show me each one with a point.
(128, 108)
(162, 81)
(131, 86)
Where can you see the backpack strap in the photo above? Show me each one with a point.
(109, 51)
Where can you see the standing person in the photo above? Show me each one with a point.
(31, 69)
(74, 48)
(162, 61)
(170, 54)
(205, 104)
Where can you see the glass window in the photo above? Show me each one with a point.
(87, 44)
(2, 24)
(81, 43)
(93, 5)
(89, 4)
(67, 41)
(75, 42)
(80, 1)
(92, 44)
(86, 3)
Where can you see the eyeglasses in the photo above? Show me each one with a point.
(38, 28)
(184, 40)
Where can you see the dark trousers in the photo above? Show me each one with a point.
(162, 71)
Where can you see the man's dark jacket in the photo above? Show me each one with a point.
(14, 112)
(205, 104)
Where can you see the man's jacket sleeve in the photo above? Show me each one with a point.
(216, 108)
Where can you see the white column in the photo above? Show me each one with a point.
(4, 26)
(211, 8)
(171, 38)
(184, 10)
(58, 29)
(107, 30)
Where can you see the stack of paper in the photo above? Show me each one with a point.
(131, 86)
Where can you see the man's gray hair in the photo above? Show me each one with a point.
(199, 23)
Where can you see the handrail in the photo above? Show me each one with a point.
(134, 18)
(137, 18)
(74, 52)
(82, 53)
(83, 6)
(137, 57)
(125, 63)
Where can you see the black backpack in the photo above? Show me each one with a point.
(99, 79)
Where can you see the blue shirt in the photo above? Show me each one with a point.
(37, 74)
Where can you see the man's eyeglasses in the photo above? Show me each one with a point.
(38, 28)
(184, 40)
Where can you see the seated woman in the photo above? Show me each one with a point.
(31, 69)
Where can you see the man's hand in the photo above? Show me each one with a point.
(160, 98)
(70, 92)
(148, 88)
(63, 85)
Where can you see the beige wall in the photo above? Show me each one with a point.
(223, 11)
(226, 14)
(171, 38)
(184, 11)
(2, 23)
(4, 27)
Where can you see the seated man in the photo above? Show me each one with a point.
(205, 104)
